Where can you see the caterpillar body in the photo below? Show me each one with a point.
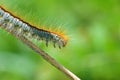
(19, 27)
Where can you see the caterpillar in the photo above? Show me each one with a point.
(12, 23)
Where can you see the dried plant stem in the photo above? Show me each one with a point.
(47, 57)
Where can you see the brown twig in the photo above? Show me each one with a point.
(5, 24)
(49, 59)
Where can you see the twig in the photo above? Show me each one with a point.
(49, 59)
(5, 23)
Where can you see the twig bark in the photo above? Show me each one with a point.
(45, 56)
(49, 59)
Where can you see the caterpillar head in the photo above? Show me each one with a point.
(60, 40)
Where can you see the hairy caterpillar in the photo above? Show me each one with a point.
(19, 27)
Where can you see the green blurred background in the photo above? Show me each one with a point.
(93, 49)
